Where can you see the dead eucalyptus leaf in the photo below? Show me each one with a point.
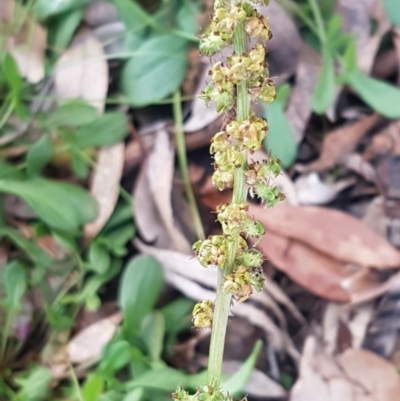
(356, 375)
(25, 39)
(82, 71)
(299, 107)
(105, 186)
(313, 270)
(356, 19)
(88, 344)
(341, 142)
(332, 232)
(153, 206)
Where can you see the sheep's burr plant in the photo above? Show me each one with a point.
(241, 79)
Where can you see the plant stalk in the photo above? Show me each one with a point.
(223, 301)
(183, 164)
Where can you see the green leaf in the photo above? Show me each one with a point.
(34, 384)
(99, 258)
(177, 314)
(62, 27)
(280, 139)
(379, 95)
(153, 330)
(73, 113)
(93, 387)
(392, 11)
(79, 166)
(121, 214)
(135, 395)
(141, 284)
(39, 155)
(45, 8)
(10, 172)
(157, 69)
(62, 206)
(116, 355)
(186, 17)
(133, 16)
(33, 251)
(325, 91)
(15, 283)
(116, 240)
(105, 130)
(235, 384)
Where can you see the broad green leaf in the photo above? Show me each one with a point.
(34, 384)
(73, 113)
(62, 28)
(93, 387)
(392, 11)
(116, 240)
(379, 95)
(177, 314)
(325, 91)
(79, 165)
(99, 258)
(141, 284)
(62, 206)
(153, 330)
(157, 69)
(10, 172)
(105, 130)
(39, 155)
(187, 16)
(235, 384)
(45, 8)
(15, 283)
(136, 394)
(133, 16)
(280, 139)
(116, 355)
(121, 214)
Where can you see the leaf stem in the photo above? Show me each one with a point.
(223, 301)
(183, 163)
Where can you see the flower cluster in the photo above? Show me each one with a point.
(204, 393)
(203, 314)
(249, 67)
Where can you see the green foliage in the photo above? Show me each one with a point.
(62, 206)
(280, 139)
(392, 11)
(44, 8)
(34, 384)
(156, 70)
(39, 155)
(140, 287)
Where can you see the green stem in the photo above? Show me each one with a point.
(318, 20)
(183, 163)
(223, 301)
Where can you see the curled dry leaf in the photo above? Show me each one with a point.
(334, 233)
(87, 345)
(356, 375)
(105, 186)
(152, 207)
(387, 141)
(357, 18)
(299, 107)
(27, 43)
(341, 142)
(82, 71)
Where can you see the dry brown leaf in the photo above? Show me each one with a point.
(356, 375)
(88, 344)
(356, 19)
(387, 141)
(337, 234)
(156, 184)
(341, 142)
(105, 186)
(299, 107)
(284, 47)
(82, 71)
(377, 376)
(313, 270)
(27, 43)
